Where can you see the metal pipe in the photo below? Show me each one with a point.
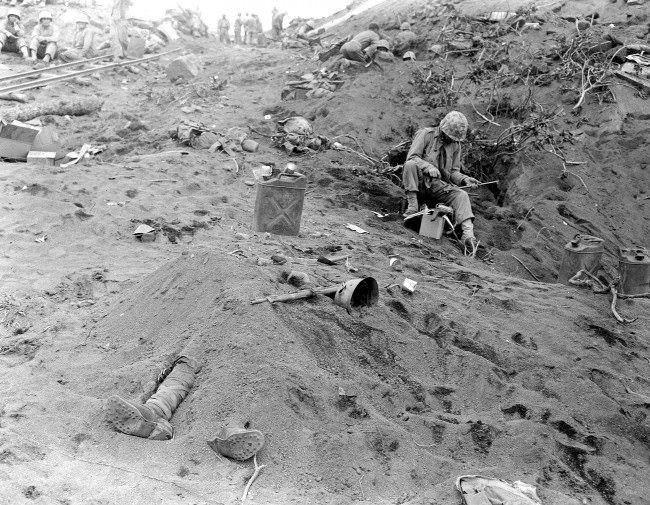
(57, 67)
(41, 82)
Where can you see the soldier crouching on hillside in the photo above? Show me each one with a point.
(356, 49)
(151, 419)
(432, 172)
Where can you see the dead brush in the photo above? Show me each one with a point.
(436, 83)
(509, 104)
(487, 158)
(582, 58)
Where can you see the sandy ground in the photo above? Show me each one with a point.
(482, 370)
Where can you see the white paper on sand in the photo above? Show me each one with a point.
(498, 491)
(354, 227)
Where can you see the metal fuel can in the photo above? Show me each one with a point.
(582, 253)
(278, 204)
(634, 269)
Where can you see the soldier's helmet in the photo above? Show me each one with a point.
(383, 44)
(455, 126)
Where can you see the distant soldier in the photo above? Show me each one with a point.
(247, 26)
(259, 31)
(276, 23)
(45, 38)
(254, 28)
(83, 42)
(238, 26)
(224, 28)
(12, 34)
(119, 28)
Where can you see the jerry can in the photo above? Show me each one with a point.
(278, 204)
(634, 268)
(582, 253)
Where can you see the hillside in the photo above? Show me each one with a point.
(482, 370)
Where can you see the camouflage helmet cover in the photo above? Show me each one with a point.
(383, 44)
(13, 12)
(405, 26)
(455, 126)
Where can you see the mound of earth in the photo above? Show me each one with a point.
(455, 379)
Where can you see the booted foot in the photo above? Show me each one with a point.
(413, 205)
(136, 419)
(411, 209)
(471, 245)
(237, 443)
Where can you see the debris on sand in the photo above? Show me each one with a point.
(200, 136)
(477, 490)
(183, 68)
(319, 84)
(187, 21)
(145, 233)
(296, 135)
(18, 140)
(66, 107)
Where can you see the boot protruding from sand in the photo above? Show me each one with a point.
(136, 419)
(151, 420)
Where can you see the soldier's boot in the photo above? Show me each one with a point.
(413, 206)
(468, 239)
(151, 420)
(136, 419)
(237, 443)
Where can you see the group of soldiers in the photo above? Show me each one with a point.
(247, 29)
(44, 42)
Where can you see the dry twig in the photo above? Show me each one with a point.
(618, 317)
(527, 269)
(259, 132)
(258, 469)
(526, 217)
(565, 162)
(640, 295)
(353, 138)
(481, 115)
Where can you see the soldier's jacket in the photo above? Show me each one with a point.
(224, 24)
(49, 34)
(366, 38)
(428, 147)
(84, 39)
(15, 29)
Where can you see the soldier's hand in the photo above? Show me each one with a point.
(432, 171)
(472, 183)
